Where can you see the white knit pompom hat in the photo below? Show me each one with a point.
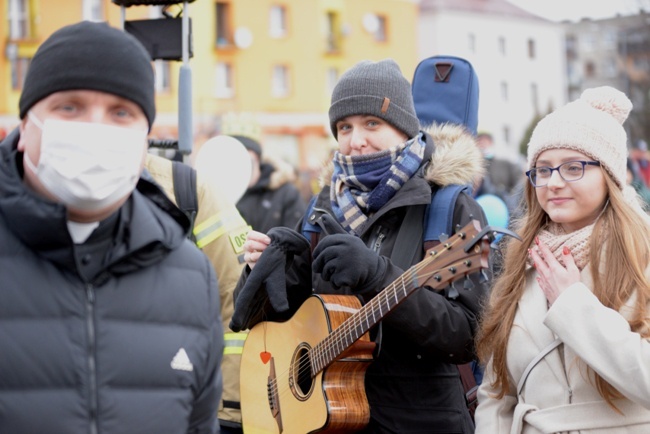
(593, 125)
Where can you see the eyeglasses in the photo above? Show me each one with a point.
(570, 171)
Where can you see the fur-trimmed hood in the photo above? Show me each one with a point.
(456, 158)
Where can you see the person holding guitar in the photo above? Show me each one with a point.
(566, 335)
(376, 190)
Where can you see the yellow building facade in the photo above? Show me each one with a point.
(258, 65)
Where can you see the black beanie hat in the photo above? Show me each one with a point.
(91, 56)
(377, 89)
(250, 144)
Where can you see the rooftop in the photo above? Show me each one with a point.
(490, 7)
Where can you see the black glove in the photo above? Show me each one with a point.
(345, 261)
(269, 273)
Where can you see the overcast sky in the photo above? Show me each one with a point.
(574, 10)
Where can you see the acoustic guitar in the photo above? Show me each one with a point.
(306, 374)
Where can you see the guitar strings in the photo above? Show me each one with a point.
(304, 364)
(322, 349)
(335, 337)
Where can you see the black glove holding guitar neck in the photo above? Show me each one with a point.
(345, 261)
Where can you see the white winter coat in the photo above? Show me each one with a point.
(559, 395)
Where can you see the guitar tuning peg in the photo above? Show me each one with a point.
(443, 237)
(468, 284)
(458, 226)
(452, 293)
(484, 276)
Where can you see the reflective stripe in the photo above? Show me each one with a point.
(217, 225)
(234, 342)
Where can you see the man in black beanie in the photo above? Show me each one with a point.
(111, 316)
(362, 231)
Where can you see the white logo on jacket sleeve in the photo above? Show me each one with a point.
(181, 362)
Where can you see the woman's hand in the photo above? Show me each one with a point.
(554, 277)
(256, 243)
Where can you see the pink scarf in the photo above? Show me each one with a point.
(577, 241)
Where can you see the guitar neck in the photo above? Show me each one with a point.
(330, 348)
(465, 252)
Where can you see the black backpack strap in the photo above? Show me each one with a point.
(185, 192)
(408, 245)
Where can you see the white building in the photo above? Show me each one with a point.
(519, 59)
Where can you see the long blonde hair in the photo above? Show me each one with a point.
(628, 255)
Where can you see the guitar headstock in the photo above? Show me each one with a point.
(465, 252)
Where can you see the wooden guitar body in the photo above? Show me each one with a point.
(280, 392)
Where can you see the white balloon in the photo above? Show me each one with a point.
(226, 164)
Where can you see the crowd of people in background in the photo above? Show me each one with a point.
(124, 311)
(638, 171)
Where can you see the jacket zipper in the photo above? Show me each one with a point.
(92, 374)
(378, 240)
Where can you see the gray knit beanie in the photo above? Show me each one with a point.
(377, 89)
(91, 56)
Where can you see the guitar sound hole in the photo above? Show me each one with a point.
(301, 380)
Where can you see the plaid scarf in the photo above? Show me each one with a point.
(363, 184)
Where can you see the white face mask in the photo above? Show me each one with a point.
(88, 166)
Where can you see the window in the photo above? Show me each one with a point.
(332, 79)
(19, 66)
(506, 134)
(224, 81)
(610, 67)
(534, 96)
(224, 33)
(162, 70)
(92, 10)
(571, 47)
(333, 32)
(18, 19)
(471, 42)
(280, 81)
(278, 22)
(504, 91)
(610, 39)
(531, 49)
(588, 42)
(502, 45)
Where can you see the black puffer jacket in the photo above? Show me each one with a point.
(274, 200)
(413, 386)
(121, 334)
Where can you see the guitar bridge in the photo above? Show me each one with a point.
(273, 396)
